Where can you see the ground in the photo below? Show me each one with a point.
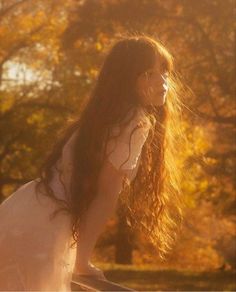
(148, 278)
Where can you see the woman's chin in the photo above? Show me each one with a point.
(159, 102)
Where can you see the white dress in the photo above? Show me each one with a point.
(35, 252)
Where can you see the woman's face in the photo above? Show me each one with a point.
(152, 85)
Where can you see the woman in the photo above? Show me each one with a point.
(119, 147)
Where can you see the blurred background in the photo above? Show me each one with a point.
(50, 54)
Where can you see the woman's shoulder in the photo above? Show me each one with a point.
(143, 116)
(124, 149)
(135, 119)
(140, 119)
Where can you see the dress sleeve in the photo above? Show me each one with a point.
(124, 150)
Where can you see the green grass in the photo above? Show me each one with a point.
(148, 278)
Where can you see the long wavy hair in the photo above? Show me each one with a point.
(152, 202)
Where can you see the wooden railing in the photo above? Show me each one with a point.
(81, 283)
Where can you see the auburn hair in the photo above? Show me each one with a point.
(152, 202)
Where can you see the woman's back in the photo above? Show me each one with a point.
(31, 246)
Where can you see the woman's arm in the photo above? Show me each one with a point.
(99, 211)
(109, 186)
